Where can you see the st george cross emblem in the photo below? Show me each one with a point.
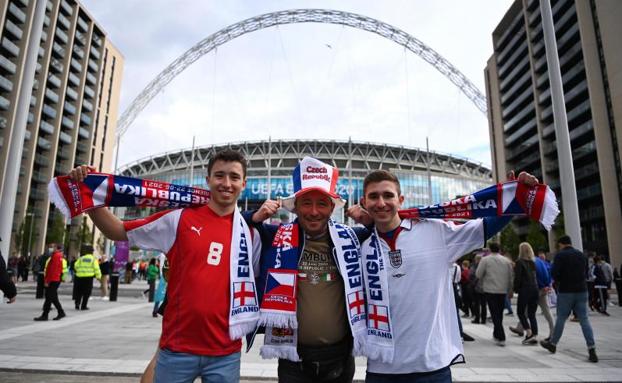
(395, 257)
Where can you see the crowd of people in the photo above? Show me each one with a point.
(329, 292)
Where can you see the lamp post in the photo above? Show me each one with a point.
(32, 220)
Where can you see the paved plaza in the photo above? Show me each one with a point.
(113, 342)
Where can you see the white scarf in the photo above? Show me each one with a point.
(379, 341)
(243, 307)
(282, 342)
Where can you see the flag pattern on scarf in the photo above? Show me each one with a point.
(280, 291)
(99, 189)
(506, 199)
(244, 294)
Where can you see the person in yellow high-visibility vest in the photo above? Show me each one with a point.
(86, 267)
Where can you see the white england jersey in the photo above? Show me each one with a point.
(423, 310)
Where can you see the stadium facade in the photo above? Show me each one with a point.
(449, 176)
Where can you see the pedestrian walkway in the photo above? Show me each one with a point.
(122, 336)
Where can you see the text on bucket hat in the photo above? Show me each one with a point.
(312, 174)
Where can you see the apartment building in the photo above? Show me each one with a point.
(522, 132)
(73, 107)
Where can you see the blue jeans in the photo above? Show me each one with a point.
(178, 367)
(439, 376)
(567, 303)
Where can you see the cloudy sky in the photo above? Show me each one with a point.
(302, 81)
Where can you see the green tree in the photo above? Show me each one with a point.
(536, 237)
(56, 229)
(509, 241)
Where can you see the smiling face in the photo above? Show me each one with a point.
(226, 181)
(382, 200)
(314, 209)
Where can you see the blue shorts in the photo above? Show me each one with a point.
(179, 367)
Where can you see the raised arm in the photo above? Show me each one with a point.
(111, 226)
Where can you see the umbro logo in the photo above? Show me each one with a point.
(198, 231)
(398, 275)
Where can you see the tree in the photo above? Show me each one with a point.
(56, 230)
(509, 241)
(536, 237)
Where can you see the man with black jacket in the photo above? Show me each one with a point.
(6, 285)
(570, 272)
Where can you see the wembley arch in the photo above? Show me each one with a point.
(293, 16)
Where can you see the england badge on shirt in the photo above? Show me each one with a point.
(395, 257)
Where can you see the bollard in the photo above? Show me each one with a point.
(40, 285)
(114, 286)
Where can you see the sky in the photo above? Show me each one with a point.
(302, 81)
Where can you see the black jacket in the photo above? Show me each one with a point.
(570, 270)
(525, 276)
(6, 285)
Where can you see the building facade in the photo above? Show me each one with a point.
(522, 132)
(73, 107)
(448, 175)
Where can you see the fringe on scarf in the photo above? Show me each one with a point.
(278, 320)
(281, 352)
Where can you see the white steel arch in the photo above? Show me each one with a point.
(293, 16)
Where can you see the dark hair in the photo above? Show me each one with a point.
(227, 155)
(86, 249)
(379, 176)
(494, 247)
(564, 240)
(152, 261)
(597, 258)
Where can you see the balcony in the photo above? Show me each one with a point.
(72, 94)
(4, 103)
(78, 51)
(13, 29)
(76, 65)
(66, 7)
(62, 20)
(6, 84)
(82, 24)
(87, 105)
(89, 92)
(64, 138)
(95, 53)
(83, 133)
(51, 95)
(49, 111)
(46, 127)
(75, 80)
(67, 122)
(57, 65)
(62, 36)
(10, 47)
(91, 78)
(80, 38)
(7, 64)
(60, 51)
(93, 66)
(82, 147)
(86, 120)
(44, 144)
(42, 161)
(53, 80)
(70, 108)
(39, 177)
(17, 13)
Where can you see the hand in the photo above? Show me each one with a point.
(523, 177)
(359, 215)
(267, 210)
(79, 173)
(46, 285)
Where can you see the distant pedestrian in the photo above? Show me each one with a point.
(54, 273)
(6, 285)
(104, 267)
(161, 290)
(479, 298)
(602, 275)
(570, 272)
(86, 267)
(526, 285)
(495, 273)
(152, 276)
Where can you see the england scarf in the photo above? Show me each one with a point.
(99, 190)
(507, 199)
(278, 306)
